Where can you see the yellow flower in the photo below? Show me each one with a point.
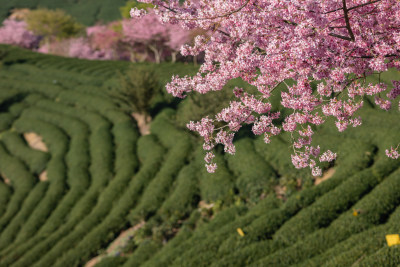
(240, 231)
(356, 212)
(393, 240)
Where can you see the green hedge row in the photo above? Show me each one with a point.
(257, 224)
(346, 224)
(125, 142)
(32, 200)
(171, 253)
(160, 186)
(78, 179)
(262, 228)
(36, 160)
(99, 236)
(360, 245)
(184, 197)
(6, 120)
(81, 100)
(76, 216)
(22, 182)
(22, 86)
(254, 175)
(111, 261)
(219, 186)
(5, 194)
(144, 252)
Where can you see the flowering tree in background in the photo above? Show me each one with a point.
(334, 43)
(148, 32)
(176, 38)
(15, 32)
(104, 38)
(81, 48)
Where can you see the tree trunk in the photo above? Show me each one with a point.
(157, 54)
(173, 56)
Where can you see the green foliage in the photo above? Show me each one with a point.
(144, 252)
(255, 177)
(86, 12)
(36, 160)
(111, 261)
(125, 10)
(136, 90)
(104, 178)
(52, 24)
(197, 106)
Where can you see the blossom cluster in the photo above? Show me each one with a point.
(335, 44)
(15, 32)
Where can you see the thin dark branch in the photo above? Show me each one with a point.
(353, 7)
(347, 19)
(390, 55)
(290, 22)
(361, 5)
(341, 37)
(170, 9)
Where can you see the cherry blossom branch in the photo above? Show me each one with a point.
(354, 7)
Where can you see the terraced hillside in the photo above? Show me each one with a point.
(64, 203)
(87, 12)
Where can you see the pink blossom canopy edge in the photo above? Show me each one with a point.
(266, 42)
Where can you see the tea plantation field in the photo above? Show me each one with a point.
(103, 178)
(87, 12)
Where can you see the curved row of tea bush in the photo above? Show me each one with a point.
(104, 178)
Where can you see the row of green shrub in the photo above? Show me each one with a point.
(22, 182)
(346, 225)
(260, 229)
(125, 135)
(116, 220)
(160, 186)
(57, 143)
(255, 177)
(77, 162)
(99, 141)
(121, 156)
(36, 160)
(5, 194)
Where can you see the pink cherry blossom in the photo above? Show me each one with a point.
(327, 156)
(15, 32)
(268, 43)
(392, 153)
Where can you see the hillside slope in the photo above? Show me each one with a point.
(104, 178)
(87, 12)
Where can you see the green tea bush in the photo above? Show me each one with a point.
(185, 196)
(341, 228)
(218, 187)
(144, 252)
(111, 261)
(36, 160)
(99, 236)
(27, 209)
(254, 175)
(5, 193)
(21, 180)
(159, 187)
(6, 120)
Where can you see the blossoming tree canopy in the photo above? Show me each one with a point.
(151, 33)
(334, 43)
(15, 32)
